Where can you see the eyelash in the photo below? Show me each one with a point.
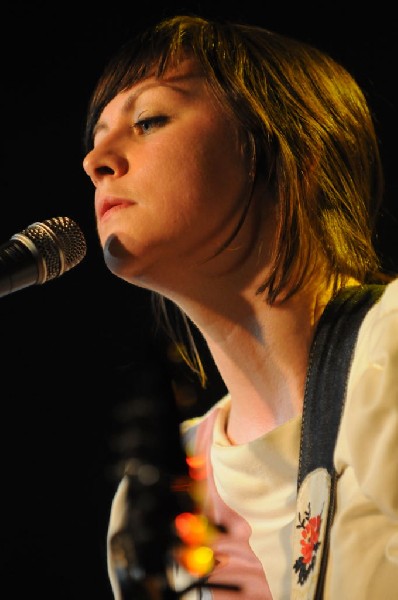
(145, 125)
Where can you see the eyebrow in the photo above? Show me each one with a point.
(170, 82)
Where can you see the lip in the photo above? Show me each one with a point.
(109, 204)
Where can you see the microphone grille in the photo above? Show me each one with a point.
(59, 242)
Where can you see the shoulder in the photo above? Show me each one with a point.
(198, 432)
(377, 342)
(368, 437)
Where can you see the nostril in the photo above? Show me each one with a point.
(100, 164)
(104, 170)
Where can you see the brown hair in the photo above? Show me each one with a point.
(309, 125)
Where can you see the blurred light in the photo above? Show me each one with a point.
(197, 467)
(193, 530)
(198, 561)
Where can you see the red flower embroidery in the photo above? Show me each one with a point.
(309, 543)
(310, 535)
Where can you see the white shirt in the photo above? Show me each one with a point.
(254, 485)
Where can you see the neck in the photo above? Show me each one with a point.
(261, 352)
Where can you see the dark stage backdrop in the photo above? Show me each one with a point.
(77, 350)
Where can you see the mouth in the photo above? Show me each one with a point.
(110, 205)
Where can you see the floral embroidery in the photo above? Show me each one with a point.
(309, 542)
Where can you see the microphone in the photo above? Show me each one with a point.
(39, 253)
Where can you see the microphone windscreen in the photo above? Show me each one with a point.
(59, 243)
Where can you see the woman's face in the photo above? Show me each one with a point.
(171, 179)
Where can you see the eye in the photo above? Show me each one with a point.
(145, 126)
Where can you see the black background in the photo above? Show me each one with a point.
(78, 347)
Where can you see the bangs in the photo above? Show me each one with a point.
(151, 54)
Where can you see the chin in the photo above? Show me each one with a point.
(117, 258)
(121, 262)
(137, 268)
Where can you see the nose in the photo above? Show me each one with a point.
(100, 164)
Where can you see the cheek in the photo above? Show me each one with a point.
(206, 168)
(226, 166)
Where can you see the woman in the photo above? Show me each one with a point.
(237, 175)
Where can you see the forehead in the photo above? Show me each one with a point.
(183, 76)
